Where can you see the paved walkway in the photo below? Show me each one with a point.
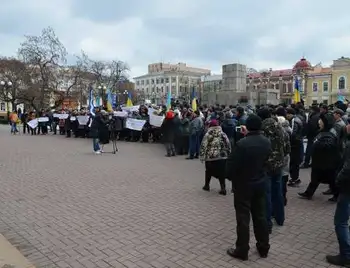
(62, 206)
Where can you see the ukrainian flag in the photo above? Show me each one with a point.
(129, 101)
(109, 101)
(194, 100)
(168, 100)
(297, 97)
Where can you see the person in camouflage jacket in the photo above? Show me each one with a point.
(275, 201)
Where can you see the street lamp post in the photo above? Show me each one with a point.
(5, 86)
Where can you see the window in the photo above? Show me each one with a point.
(325, 86)
(167, 80)
(157, 81)
(341, 83)
(162, 80)
(314, 87)
(142, 82)
(290, 88)
(284, 88)
(325, 102)
(147, 82)
(277, 86)
(2, 107)
(137, 83)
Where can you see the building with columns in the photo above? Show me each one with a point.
(179, 78)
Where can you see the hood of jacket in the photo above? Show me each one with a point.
(215, 131)
(269, 125)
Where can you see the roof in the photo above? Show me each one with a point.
(275, 73)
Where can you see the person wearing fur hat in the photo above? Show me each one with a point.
(326, 157)
(214, 150)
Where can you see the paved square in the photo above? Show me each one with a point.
(64, 207)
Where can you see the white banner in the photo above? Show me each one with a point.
(120, 114)
(43, 119)
(33, 123)
(60, 116)
(73, 118)
(156, 120)
(131, 108)
(135, 124)
(83, 119)
(150, 111)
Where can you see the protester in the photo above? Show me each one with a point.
(246, 168)
(341, 216)
(214, 151)
(296, 139)
(274, 196)
(326, 158)
(169, 132)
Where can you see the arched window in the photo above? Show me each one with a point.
(341, 83)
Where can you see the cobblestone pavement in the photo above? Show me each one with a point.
(63, 207)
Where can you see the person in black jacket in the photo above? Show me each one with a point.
(325, 157)
(341, 216)
(312, 130)
(246, 168)
(168, 131)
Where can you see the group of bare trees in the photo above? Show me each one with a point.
(41, 77)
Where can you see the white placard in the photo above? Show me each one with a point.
(120, 114)
(83, 119)
(60, 116)
(131, 108)
(73, 118)
(43, 119)
(150, 111)
(156, 120)
(135, 124)
(33, 123)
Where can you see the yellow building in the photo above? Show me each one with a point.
(328, 85)
(318, 86)
(340, 79)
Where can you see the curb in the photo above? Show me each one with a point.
(10, 257)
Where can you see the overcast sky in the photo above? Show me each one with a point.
(203, 33)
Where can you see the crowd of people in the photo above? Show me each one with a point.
(259, 150)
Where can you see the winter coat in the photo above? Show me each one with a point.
(215, 145)
(168, 130)
(196, 126)
(287, 131)
(274, 132)
(343, 178)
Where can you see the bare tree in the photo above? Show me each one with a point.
(44, 57)
(107, 74)
(14, 71)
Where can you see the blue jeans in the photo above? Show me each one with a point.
(14, 127)
(341, 218)
(274, 199)
(96, 144)
(194, 145)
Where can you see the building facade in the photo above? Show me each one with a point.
(161, 78)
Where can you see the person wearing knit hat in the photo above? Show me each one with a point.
(326, 158)
(246, 168)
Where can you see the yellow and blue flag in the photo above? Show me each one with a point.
(297, 97)
(129, 101)
(109, 101)
(194, 100)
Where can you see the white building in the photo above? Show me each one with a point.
(161, 78)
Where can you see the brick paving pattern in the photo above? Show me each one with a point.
(62, 206)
